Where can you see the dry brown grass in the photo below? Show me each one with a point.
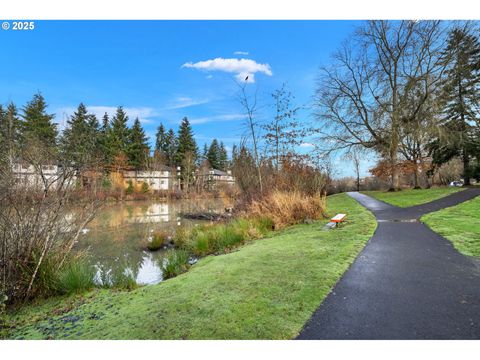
(288, 208)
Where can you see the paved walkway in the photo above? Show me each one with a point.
(407, 283)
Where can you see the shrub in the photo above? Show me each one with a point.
(130, 189)
(76, 276)
(159, 239)
(174, 262)
(287, 208)
(145, 189)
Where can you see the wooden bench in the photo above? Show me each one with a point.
(338, 218)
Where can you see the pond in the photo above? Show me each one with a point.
(116, 239)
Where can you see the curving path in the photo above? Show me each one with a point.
(407, 283)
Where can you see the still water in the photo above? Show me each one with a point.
(116, 239)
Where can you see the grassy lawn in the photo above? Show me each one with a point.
(266, 289)
(460, 224)
(412, 197)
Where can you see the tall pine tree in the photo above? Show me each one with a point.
(222, 157)
(119, 134)
(213, 154)
(106, 151)
(161, 140)
(187, 153)
(138, 149)
(459, 131)
(37, 126)
(9, 132)
(81, 138)
(186, 141)
(171, 146)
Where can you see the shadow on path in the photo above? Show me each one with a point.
(407, 283)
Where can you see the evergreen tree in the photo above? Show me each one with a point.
(138, 149)
(213, 154)
(187, 153)
(37, 126)
(103, 141)
(119, 134)
(105, 123)
(80, 139)
(161, 140)
(459, 130)
(9, 131)
(205, 152)
(186, 142)
(171, 146)
(223, 157)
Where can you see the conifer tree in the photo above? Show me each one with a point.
(161, 140)
(171, 146)
(205, 152)
(187, 153)
(119, 133)
(80, 139)
(213, 154)
(9, 132)
(138, 149)
(459, 131)
(223, 157)
(186, 141)
(37, 126)
(105, 149)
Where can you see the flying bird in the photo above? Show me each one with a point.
(246, 78)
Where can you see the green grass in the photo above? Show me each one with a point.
(266, 289)
(460, 224)
(412, 197)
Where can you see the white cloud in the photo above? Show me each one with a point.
(240, 53)
(144, 114)
(245, 69)
(185, 101)
(217, 118)
(306, 145)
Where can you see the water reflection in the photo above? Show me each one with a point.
(116, 239)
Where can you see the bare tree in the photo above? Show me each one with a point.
(250, 106)
(38, 222)
(354, 156)
(361, 99)
(282, 134)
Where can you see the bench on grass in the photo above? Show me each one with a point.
(338, 218)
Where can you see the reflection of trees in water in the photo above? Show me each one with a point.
(144, 269)
(119, 234)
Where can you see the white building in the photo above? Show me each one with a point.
(156, 180)
(41, 176)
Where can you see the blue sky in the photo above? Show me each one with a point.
(160, 70)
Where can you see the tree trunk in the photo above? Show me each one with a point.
(416, 184)
(466, 168)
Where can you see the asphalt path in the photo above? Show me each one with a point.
(407, 283)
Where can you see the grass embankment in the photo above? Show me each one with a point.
(460, 224)
(412, 197)
(266, 289)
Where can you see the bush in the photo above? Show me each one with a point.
(159, 239)
(145, 189)
(287, 208)
(77, 276)
(130, 189)
(174, 262)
